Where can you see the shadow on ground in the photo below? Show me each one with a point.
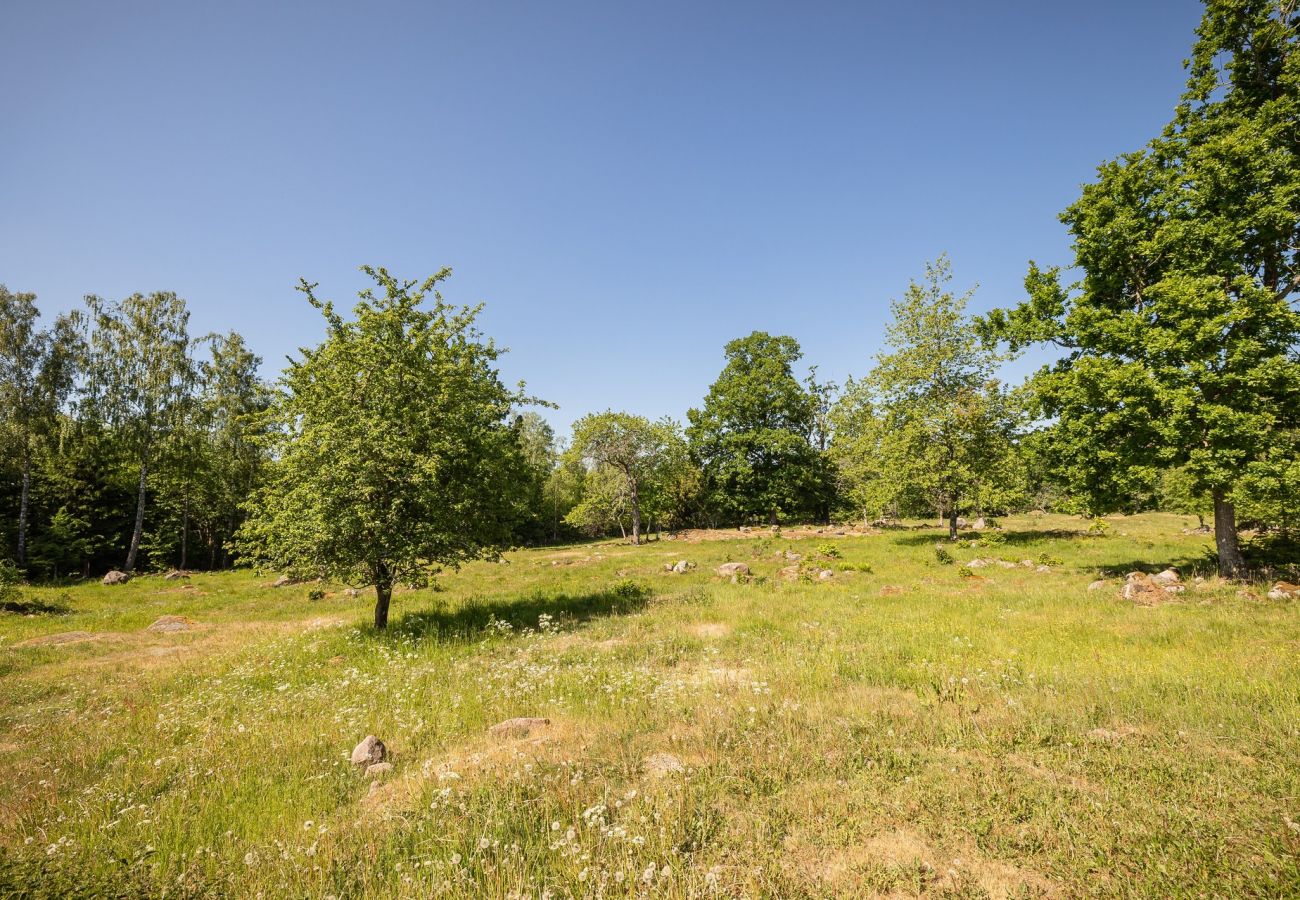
(470, 620)
(30, 606)
(1009, 538)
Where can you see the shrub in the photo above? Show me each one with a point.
(315, 594)
(993, 539)
(965, 571)
(942, 555)
(1046, 559)
(828, 550)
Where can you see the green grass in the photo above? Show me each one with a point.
(900, 729)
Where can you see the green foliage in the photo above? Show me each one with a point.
(991, 539)
(965, 572)
(10, 580)
(315, 594)
(828, 550)
(752, 438)
(1181, 335)
(394, 447)
(630, 467)
(942, 556)
(1046, 559)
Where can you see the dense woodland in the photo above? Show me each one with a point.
(393, 447)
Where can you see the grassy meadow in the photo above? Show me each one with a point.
(903, 728)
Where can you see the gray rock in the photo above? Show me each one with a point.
(825, 575)
(376, 769)
(116, 577)
(732, 569)
(1284, 591)
(683, 566)
(371, 750)
(1168, 576)
(166, 624)
(1097, 585)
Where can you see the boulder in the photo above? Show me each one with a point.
(175, 574)
(1284, 590)
(374, 770)
(116, 577)
(683, 566)
(980, 524)
(521, 726)
(825, 575)
(283, 581)
(371, 750)
(977, 563)
(1097, 585)
(1168, 576)
(1145, 590)
(732, 569)
(962, 523)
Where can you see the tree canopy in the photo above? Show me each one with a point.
(395, 451)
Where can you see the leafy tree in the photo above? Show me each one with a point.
(1182, 335)
(140, 376)
(634, 447)
(1177, 492)
(752, 437)
(395, 451)
(537, 441)
(37, 373)
(948, 427)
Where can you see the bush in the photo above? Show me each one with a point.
(942, 555)
(10, 578)
(828, 550)
(965, 571)
(630, 590)
(993, 539)
(855, 567)
(315, 594)
(1046, 559)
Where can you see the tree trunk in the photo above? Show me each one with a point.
(952, 523)
(383, 594)
(636, 514)
(1231, 563)
(23, 504)
(185, 531)
(136, 534)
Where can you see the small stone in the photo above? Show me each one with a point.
(166, 624)
(520, 726)
(1027, 563)
(732, 569)
(682, 566)
(371, 750)
(175, 574)
(1042, 568)
(1168, 576)
(977, 563)
(1097, 585)
(376, 769)
(116, 577)
(659, 765)
(825, 575)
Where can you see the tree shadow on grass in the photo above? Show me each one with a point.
(30, 606)
(1009, 538)
(477, 616)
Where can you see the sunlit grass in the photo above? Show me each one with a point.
(898, 729)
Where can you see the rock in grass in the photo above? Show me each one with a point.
(283, 581)
(174, 574)
(520, 726)
(370, 751)
(165, 624)
(658, 765)
(1097, 585)
(116, 577)
(65, 637)
(683, 566)
(374, 770)
(732, 569)
(1168, 576)
(1284, 590)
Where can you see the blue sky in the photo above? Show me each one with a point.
(627, 186)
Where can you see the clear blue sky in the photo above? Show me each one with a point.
(627, 186)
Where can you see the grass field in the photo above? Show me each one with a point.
(903, 728)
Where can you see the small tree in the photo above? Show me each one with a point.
(395, 451)
(633, 446)
(948, 426)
